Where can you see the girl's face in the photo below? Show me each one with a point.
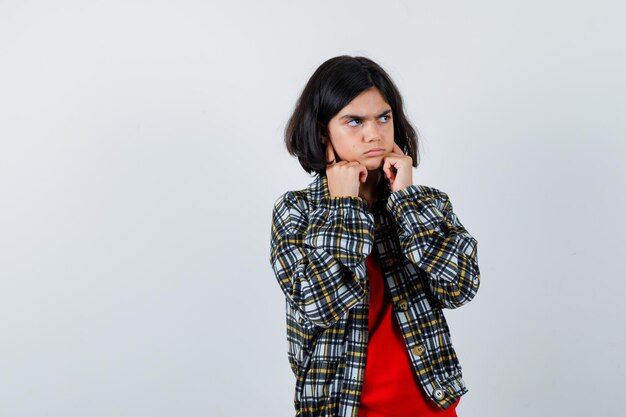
(364, 124)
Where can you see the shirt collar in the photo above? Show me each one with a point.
(318, 189)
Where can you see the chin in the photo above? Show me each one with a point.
(373, 167)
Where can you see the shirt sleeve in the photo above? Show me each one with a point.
(433, 238)
(318, 257)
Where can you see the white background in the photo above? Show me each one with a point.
(141, 152)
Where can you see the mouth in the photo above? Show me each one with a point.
(375, 152)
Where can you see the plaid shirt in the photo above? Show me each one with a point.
(318, 250)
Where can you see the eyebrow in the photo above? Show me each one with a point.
(356, 116)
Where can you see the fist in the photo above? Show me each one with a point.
(344, 178)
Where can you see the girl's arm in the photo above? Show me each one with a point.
(434, 239)
(318, 257)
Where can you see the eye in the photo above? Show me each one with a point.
(385, 118)
(354, 122)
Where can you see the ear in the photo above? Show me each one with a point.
(323, 133)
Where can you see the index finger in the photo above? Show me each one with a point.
(331, 158)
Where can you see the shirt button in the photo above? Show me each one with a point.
(438, 394)
(402, 305)
(378, 228)
(419, 350)
(389, 262)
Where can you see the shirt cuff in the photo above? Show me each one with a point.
(417, 204)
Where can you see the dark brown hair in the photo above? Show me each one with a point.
(333, 86)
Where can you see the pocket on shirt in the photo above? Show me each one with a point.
(300, 334)
(449, 365)
(329, 344)
(319, 394)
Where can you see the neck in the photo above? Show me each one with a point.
(369, 189)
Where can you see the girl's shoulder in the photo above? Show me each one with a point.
(305, 198)
(292, 201)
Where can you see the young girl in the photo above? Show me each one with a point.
(366, 259)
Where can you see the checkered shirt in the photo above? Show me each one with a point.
(318, 249)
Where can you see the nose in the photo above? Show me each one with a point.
(370, 131)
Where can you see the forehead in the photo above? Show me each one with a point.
(369, 102)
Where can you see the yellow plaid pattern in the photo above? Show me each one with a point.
(318, 250)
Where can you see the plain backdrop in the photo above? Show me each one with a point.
(141, 152)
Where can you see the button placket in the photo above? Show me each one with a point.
(438, 394)
(419, 350)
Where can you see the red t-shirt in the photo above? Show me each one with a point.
(390, 386)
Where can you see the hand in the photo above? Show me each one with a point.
(398, 168)
(344, 178)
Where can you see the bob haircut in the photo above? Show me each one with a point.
(333, 86)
